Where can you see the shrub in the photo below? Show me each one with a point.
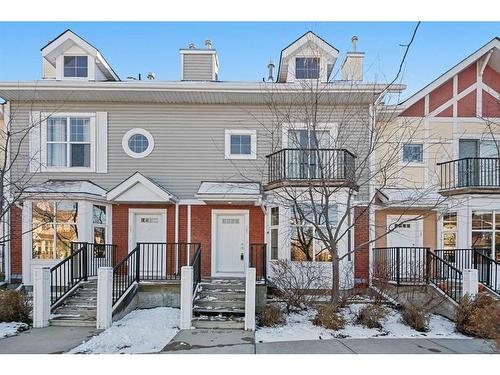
(416, 317)
(328, 317)
(479, 317)
(371, 316)
(14, 307)
(271, 316)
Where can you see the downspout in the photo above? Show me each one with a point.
(188, 231)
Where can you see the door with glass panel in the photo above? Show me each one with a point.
(305, 155)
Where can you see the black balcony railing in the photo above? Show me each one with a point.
(330, 165)
(470, 173)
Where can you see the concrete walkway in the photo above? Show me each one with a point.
(48, 340)
(242, 342)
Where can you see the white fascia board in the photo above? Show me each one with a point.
(132, 181)
(495, 43)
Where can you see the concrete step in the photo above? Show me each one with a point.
(216, 304)
(217, 323)
(208, 295)
(219, 310)
(68, 321)
(206, 287)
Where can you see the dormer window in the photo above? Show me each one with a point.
(75, 67)
(307, 68)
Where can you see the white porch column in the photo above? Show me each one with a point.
(104, 297)
(41, 297)
(250, 299)
(470, 282)
(186, 297)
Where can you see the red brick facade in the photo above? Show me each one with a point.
(16, 247)
(361, 244)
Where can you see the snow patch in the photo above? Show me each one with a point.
(299, 327)
(11, 329)
(141, 331)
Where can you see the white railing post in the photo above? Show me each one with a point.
(104, 297)
(470, 282)
(41, 297)
(250, 299)
(186, 297)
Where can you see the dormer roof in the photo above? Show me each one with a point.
(68, 39)
(295, 47)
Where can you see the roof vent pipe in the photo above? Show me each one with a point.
(354, 40)
(151, 76)
(270, 66)
(208, 44)
(191, 46)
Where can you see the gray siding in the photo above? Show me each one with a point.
(189, 141)
(197, 67)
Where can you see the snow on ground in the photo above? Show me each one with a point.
(300, 327)
(141, 331)
(11, 329)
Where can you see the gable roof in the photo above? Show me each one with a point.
(78, 40)
(149, 184)
(301, 41)
(494, 43)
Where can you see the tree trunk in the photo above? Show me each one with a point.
(335, 278)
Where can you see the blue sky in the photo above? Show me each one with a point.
(244, 48)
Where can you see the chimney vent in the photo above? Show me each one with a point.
(151, 76)
(192, 46)
(270, 66)
(352, 68)
(208, 44)
(354, 40)
(199, 64)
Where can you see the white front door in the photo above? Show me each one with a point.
(231, 244)
(149, 226)
(407, 235)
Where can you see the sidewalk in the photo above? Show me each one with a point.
(242, 342)
(50, 340)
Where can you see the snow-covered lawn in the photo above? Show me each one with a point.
(11, 329)
(141, 331)
(300, 327)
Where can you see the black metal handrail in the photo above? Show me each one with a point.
(312, 164)
(444, 276)
(459, 258)
(196, 264)
(488, 270)
(66, 274)
(258, 260)
(126, 273)
(3, 276)
(470, 172)
(402, 265)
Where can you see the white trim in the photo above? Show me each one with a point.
(132, 132)
(215, 213)
(494, 43)
(253, 144)
(453, 100)
(138, 178)
(147, 211)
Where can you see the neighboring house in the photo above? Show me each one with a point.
(448, 177)
(144, 161)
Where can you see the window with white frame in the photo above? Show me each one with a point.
(486, 232)
(307, 67)
(306, 242)
(241, 144)
(76, 66)
(54, 227)
(138, 143)
(413, 153)
(275, 222)
(69, 142)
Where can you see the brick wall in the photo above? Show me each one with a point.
(361, 255)
(16, 248)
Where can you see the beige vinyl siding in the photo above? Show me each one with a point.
(189, 142)
(197, 67)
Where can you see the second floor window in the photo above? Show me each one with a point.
(307, 68)
(240, 144)
(68, 142)
(75, 66)
(413, 153)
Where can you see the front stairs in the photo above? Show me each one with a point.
(219, 303)
(79, 309)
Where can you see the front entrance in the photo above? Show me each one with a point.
(229, 242)
(148, 226)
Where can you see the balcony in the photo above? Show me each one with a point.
(470, 175)
(305, 167)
